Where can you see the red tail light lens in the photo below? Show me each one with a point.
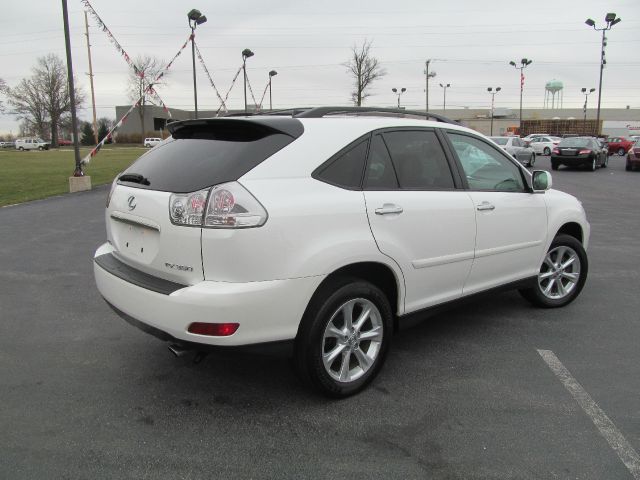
(556, 151)
(213, 329)
(584, 151)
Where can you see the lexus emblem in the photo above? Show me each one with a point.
(131, 201)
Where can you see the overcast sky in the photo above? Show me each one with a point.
(307, 42)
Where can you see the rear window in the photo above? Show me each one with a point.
(199, 156)
(575, 142)
(500, 140)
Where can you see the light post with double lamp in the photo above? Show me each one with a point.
(246, 53)
(398, 93)
(195, 18)
(584, 109)
(444, 102)
(611, 19)
(493, 96)
(427, 76)
(524, 63)
(272, 74)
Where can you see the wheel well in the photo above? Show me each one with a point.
(573, 229)
(377, 273)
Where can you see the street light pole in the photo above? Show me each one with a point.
(611, 19)
(398, 93)
(427, 76)
(524, 63)
(444, 103)
(493, 96)
(246, 53)
(195, 18)
(584, 109)
(272, 74)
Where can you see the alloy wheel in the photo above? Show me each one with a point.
(352, 340)
(560, 273)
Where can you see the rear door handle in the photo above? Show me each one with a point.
(485, 206)
(388, 208)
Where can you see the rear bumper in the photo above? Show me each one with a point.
(572, 161)
(267, 311)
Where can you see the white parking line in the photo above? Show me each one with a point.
(608, 430)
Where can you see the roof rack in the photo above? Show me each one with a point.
(320, 112)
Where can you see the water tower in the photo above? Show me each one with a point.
(551, 88)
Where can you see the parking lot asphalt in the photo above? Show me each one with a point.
(463, 395)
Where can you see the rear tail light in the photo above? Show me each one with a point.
(228, 205)
(556, 151)
(584, 151)
(213, 329)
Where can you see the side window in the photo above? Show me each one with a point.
(346, 170)
(485, 167)
(419, 160)
(516, 142)
(380, 174)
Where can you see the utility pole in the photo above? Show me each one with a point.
(427, 76)
(93, 97)
(72, 92)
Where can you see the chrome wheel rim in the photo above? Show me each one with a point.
(352, 340)
(560, 273)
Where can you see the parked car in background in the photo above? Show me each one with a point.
(544, 145)
(152, 142)
(326, 231)
(31, 143)
(531, 136)
(64, 143)
(619, 145)
(515, 147)
(7, 144)
(633, 157)
(579, 151)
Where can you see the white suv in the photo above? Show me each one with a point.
(31, 143)
(328, 231)
(152, 142)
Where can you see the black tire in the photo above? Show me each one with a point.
(605, 162)
(40, 148)
(21, 149)
(554, 165)
(546, 151)
(621, 152)
(311, 343)
(532, 160)
(593, 165)
(535, 294)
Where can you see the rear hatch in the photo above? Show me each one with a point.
(199, 155)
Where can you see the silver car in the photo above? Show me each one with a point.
(516, 147)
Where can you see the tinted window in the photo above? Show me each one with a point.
(346, 170)
(419, 160)
(380, 174)
(199, 156)
(485, 167)
(574, 142)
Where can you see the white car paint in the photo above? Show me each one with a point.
(542, 144)
(439, 248)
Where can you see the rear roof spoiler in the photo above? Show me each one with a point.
(277, 124)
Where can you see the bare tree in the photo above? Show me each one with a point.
(365, 69)
(148, 69)
(42, 101)
(3, 89)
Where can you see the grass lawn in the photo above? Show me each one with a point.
(31, 175)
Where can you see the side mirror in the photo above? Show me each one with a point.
(541, 181)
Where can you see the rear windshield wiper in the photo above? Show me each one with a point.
(134, 178)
